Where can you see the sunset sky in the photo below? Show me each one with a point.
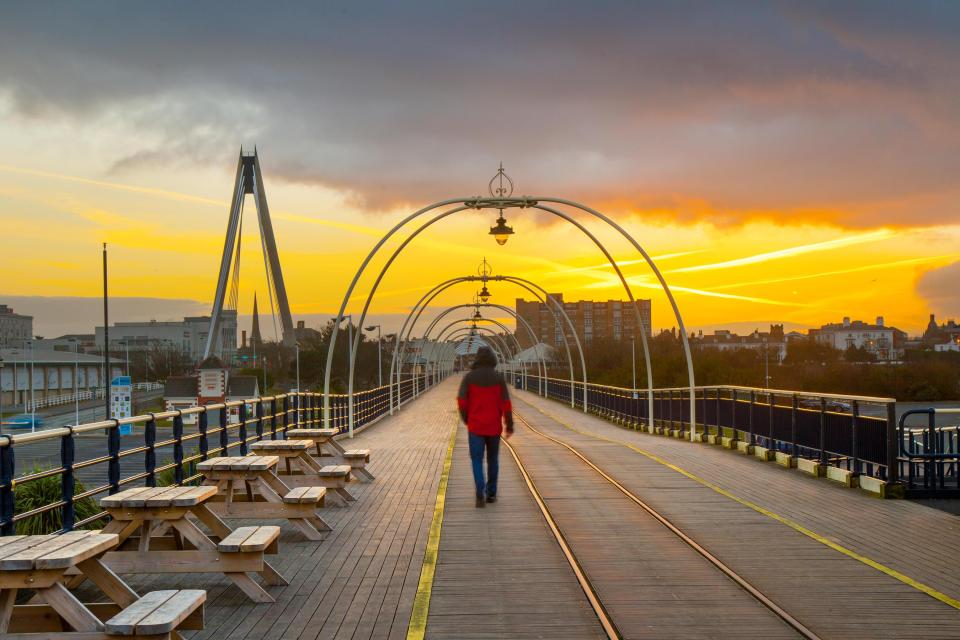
(783, 162)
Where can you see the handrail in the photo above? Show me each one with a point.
(271, 418)
(832, 430)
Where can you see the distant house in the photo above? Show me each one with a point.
(886, 343)
(774, 342)
(944, 337)
(212, 384)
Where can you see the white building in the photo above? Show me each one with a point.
(188, 336)
(212, 384)
(14, 328)
(52, 374)
(772, 343)
(877, 338)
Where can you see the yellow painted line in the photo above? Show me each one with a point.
(421, 603)
(893, 573)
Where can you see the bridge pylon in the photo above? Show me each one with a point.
(249, 181)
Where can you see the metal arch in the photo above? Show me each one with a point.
(626, 286)
(666, 290)
(440, 335)
(462, 306)
(521, 282)
(500, 342)
(501, 203)
(499, 347)
(353, 285)
(486, 304)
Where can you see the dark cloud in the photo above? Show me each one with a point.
(941, 289)
(846, 111)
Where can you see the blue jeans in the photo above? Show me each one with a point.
(492, 445)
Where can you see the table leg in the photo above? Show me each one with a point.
(71, 609)
(145, 531)
(336, 446)
(109, 582)
(275, 483)
(7, 598)
(307, 463)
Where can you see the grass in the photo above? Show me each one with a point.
(38, 493)
(166, 477)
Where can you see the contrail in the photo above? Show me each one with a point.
(839, 243)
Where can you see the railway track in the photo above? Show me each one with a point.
(606, 620)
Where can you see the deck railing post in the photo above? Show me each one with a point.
(224, 435)
(242, 413)
(178, 449)
(273, 418)
(670, 408)
(113, 450)
(794, 414)
(773, 403)
(66, 479)
(719, 428)
(854, 420)
(753, 402)
(150, 455)
(7, 497)
(823, 430)
(893, 447)
(286, 415)
(259, 426)
(733, 415)
(204, 440)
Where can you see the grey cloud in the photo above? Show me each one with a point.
(941, 289)
(748, 107)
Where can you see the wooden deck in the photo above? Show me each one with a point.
(501, 574)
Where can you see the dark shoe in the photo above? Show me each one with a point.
(481, 502)
(491, 498)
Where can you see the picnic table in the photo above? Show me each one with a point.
(247, 487)
(44, 564)
(357, 459)
(156, 511)
(321, 438)
(303, 470)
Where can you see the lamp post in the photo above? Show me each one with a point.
(633, 363)
(1, 395)
(296, 346)
(76, 382)
(379, 355)
(33, 403)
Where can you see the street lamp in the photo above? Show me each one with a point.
(501, 232)
(349, 319)
(379, 356)
(484, 294)
(76, 381)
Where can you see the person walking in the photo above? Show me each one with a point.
(485, 408)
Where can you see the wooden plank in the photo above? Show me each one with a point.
(25, 558)
(116, 500)
(125, 623)
(168, 616)
(263, 463)
(22, 542)
(75, 553)
(193, 496)
(71, 609)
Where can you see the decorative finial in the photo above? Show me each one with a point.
(501, 191)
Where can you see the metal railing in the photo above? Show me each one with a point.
(90, 394)
(930, 456)
(97, 456)
(857, 433)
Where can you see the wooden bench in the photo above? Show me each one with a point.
(332, 477)
(159, 614)
(358, 459)
(251, 539)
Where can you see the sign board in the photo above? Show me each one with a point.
(121, 401)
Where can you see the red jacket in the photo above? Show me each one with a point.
(484, 402)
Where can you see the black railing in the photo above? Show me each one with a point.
(929, 456)
(857, 433)
(161, 448)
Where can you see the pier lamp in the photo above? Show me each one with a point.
(484, 294)
(501, 232)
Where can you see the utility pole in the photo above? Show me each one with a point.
(106, 338)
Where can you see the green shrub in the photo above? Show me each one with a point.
(37, 493)
(166, 477)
